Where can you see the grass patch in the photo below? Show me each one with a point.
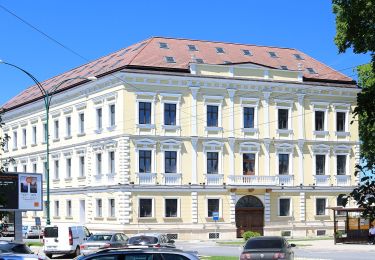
(231, 243)
(34, 243)
(219, 258)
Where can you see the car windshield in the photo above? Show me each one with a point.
(100, 238)
(15, 248)
(264, 243)
(143, 240)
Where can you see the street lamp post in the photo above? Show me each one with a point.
(47, 97)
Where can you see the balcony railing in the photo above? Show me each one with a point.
(322, 180)
(343, 180)
(172, 178)
(214, 179)
(146, 178)
(285, 180)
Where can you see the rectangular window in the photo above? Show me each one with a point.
(192, 47)
(144, 161)
(68, 208)
(33, 137)
(81, 124)
(212, 162)
(144, 113)
(111, 163)
(297, 56)
(319, 121)
(248, 117)
(320, 162)
(68, 126)
(284, 207)
(56, 124)
(145, 208)
(170, 161)
(283, 164)
(99, 208)
(248, 163)
(99, 119)
(340, 121)
(98, 164)
(68, 168)
(34, 167)
(6, 142)
(283, 118)
(24, 168)
(171, 208)
(163, 45)
(81, 166)
(246, 52)
(341, 164)
(169, 114)
(112, 115)
(320, 206)
(111, 208)
(56, 164)
(15, 140)
(272, 54)
(219, 50)
(311, 70)
(57, 208)
(169, 59)
(213, 205)
(212, 115)
(45, 132)
(24, 137)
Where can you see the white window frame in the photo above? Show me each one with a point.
(24, 137)
(98, 121)
(342, 150)
(81, 170)
(56, 169)
(345, 108)
(110, 215)
(149, 97)
(147, 145)
(169, 98)
(6, 142)
(214, 101)
(213, 146)
(15, 141)
(44, 133)
(250, 103)
(112, 125)
(323, 107)
(110, 170)
(57, 208)
(69, 209)
(81, 124)
(178, 206)
(284, 104)
(152, 207)
(68, 171)
(68, 127)
(220, 206)
(98, 211)
(171, 145)
(34, 135)
(35, 167)
(326, 163)
(254, 148)
(97, 172)
(284, 148)
(316, 208)
(290, 206)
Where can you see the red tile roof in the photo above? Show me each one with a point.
(148, 54)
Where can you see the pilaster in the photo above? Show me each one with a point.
(302, 207)
(267, 207)
(124, 161)
(194, 207)
(194, 92)
(125, 207)
(231, 141)
(266, 109)
(301, 116)
(231, 93)
(301, 144)
(194, 154)
(232, 207)
(267, 143)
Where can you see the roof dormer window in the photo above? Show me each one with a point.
(298, 56)
(163, 45)
(200, 61)
(169, 59)
(219, 50)
(311, 70)
(283, 67)
(192, 47)
(227, 62)
(272, 54)
(247, 53)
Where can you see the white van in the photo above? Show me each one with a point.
(64, 239)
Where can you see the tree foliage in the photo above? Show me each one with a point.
(355, 28)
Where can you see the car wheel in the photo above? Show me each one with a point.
(49, 255)
(78, 251)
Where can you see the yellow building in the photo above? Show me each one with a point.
(193, 138)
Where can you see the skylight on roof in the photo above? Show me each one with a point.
(219, 50)
(200, 61)
(272, 54)
(298, 56)
(247, 53)
(283, 67)
(192, 47)
(163, 45)
(169, 59)
(227, 62)
(311, 70)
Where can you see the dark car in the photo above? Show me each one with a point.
(268, 247)
(141, 254)
(150, 240)
(17, 251)
(103, 240)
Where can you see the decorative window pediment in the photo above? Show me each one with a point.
(170, 97)
(343, 106)
(81, 106)
(245, 102)
(34, 120)
(146, 96)
(33, 159)
(213, 146)
(55, 114)
(341, 149)
(321, 149)
(170, 144)
(249, 147)
(110, 145)
(68, 153)
(316, 105)
(55, 156)
(80, 151)
(284, 148)
(213, 99)
(23, 160)
(145, 143)
(283, 103)
(67, 111)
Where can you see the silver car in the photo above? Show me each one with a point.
(17, 251)
(103, 240)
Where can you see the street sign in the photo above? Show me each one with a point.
(37, 221)
(21, 191)
(215, 216)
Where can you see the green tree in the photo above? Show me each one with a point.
(355, 28)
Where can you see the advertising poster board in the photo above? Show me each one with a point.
(21, 191)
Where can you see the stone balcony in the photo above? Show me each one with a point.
(254, 180)
(146, 178)
(172, 179)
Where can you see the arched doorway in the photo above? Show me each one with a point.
(249, 215)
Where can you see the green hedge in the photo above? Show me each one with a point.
(249, 234)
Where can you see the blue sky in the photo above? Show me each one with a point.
(93, 28)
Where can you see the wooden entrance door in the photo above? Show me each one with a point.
(248, 219)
